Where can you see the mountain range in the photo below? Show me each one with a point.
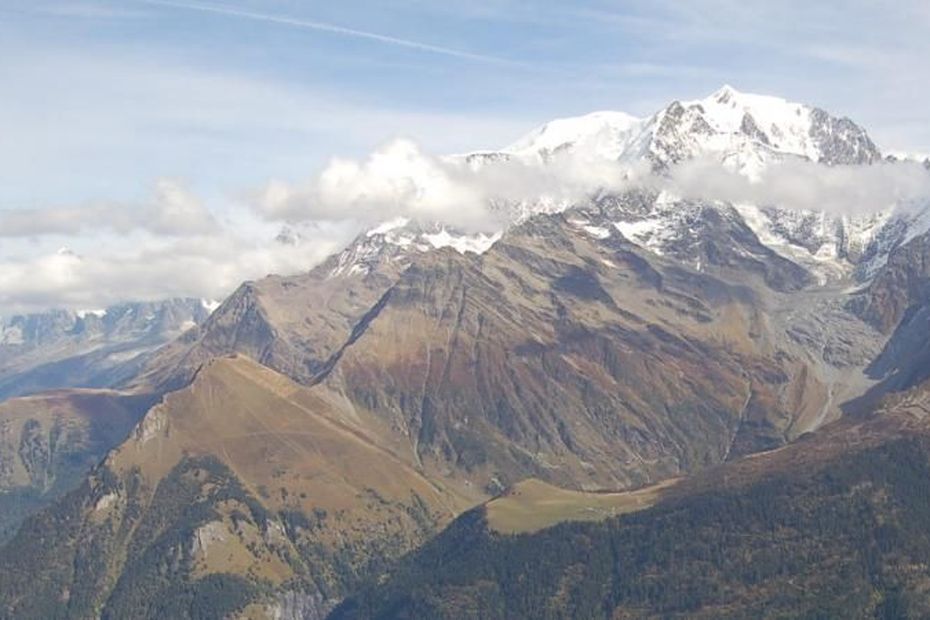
(639, 402)
(59, 415)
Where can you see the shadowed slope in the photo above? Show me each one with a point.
(49, 442)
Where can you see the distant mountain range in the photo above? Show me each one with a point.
(732, 395)
(90, 348)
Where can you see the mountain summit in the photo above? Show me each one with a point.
(745, 128)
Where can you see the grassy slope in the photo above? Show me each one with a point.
(533, 505)
(243, 482)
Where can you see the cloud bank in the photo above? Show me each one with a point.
(173, 211)
(176, 246)
(171, 245)
(209, 267)
(804, 185)
(400, 179)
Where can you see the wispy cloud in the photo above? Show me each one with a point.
(173, 212)
(117, 122)
(331, 29)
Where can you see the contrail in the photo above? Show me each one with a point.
(330, 28)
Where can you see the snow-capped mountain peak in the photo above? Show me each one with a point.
(742, 129)
(606, 133)
(772, 121)
(747, 131)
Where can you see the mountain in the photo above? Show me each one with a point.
(629, 351)
(64, 362)
(242, 488)
(744, 129)
(831, 526)
(581, 360)
(486, 363)
(747, 134)
(94, 348)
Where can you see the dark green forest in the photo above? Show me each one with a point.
(851, 540)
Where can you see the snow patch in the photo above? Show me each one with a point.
(477, 244)
(83, 314)
(646, 233)
(602, 133)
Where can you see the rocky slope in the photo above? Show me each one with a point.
(564, 351)
(580, 359)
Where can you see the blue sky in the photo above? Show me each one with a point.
(138, 107)
(101, 97)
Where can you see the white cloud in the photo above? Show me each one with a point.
(400, 179)
(397, 179)
(177, 247)
(168, 246)
(173, 211)
(800, 184)
(206, 266)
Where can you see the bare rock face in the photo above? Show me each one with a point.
(293, 324)
(897, 301)
(841, 141)
(903, 283)
(576, 358)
